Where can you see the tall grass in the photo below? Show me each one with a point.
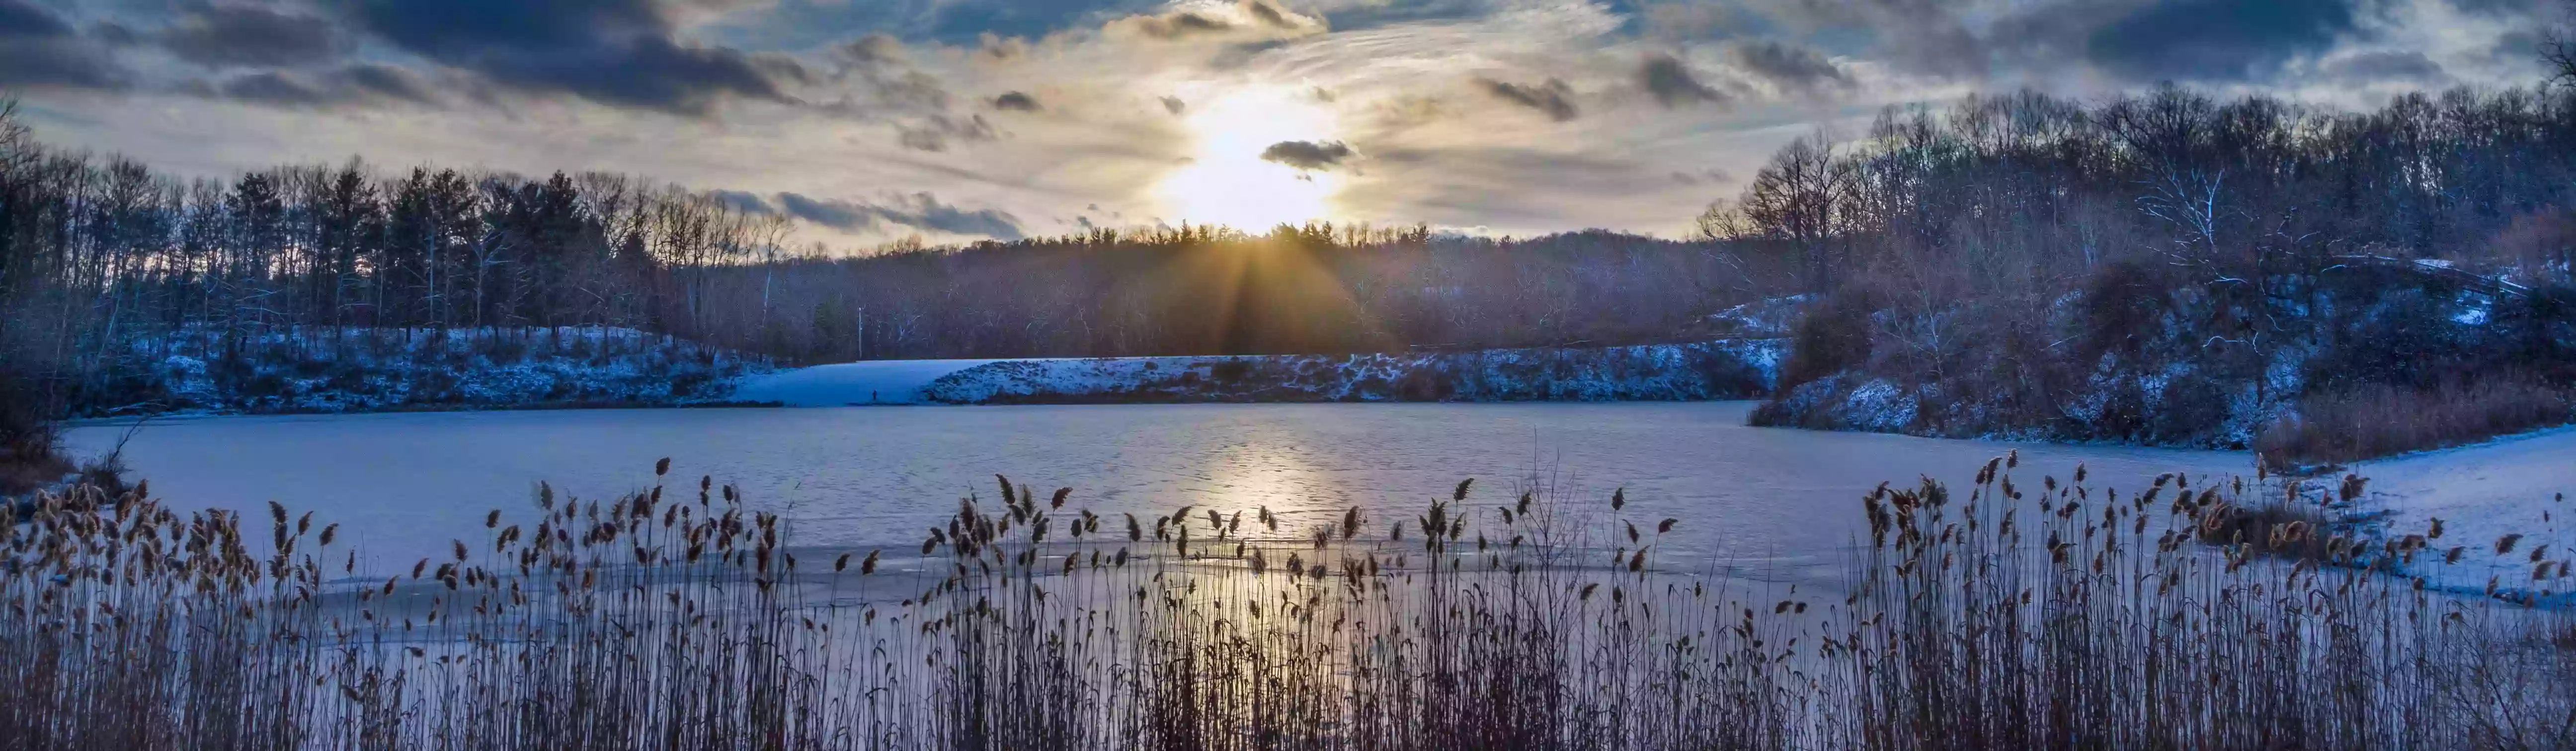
(2007, 617)
(2378, 420)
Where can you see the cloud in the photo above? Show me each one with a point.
(1016, 101)
(1242, 21)
(41, 50)
(743, 201)
(231, 35)
(1308, 155)
(2217, 40)
(363, 83)
(872, 51)
(916, 210)
(1717, 176)
(2399, 66)
(1002, 48)
(615, 52)
(934, 132)
(1179, 24)
(1787, 68)
(22, 20)
(1174, 105)
(1553, 97)
(1270, 14)
(1673, 84)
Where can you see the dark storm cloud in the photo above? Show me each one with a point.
(918, 210)
(615, 52)
(230, 35)
(2217, 40)
(1308, 155)
(1553, 97)
(1788, 68)
(1673, 84)
(41, 50)
(1016, 101)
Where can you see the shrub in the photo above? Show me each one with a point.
(1832, 337)
(29, 456)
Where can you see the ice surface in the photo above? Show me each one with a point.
(1768, 504)
(2481, 492)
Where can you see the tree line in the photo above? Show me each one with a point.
(2169, 266)
(2013, 197)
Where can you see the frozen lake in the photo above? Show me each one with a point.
(1766, 504)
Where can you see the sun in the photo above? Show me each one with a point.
(1228, 183)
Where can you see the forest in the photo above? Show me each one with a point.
(2166, 266)
(2176, 268)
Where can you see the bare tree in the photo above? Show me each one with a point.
(2558, 49)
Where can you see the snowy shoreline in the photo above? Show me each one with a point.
(1715, 370)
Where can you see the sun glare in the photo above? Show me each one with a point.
(1228, 183)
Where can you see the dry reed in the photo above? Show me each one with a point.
(2013, 617)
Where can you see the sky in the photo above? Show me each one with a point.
(868, 121)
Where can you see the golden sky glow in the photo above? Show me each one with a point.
(1228, 183)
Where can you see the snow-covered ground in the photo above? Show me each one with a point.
(322, 369)
(2482, 492)
(852, 383)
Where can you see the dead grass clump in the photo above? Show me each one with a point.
(2378, 420)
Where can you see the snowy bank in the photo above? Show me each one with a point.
(1730, 369)
(308, 370)
(850, 383)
